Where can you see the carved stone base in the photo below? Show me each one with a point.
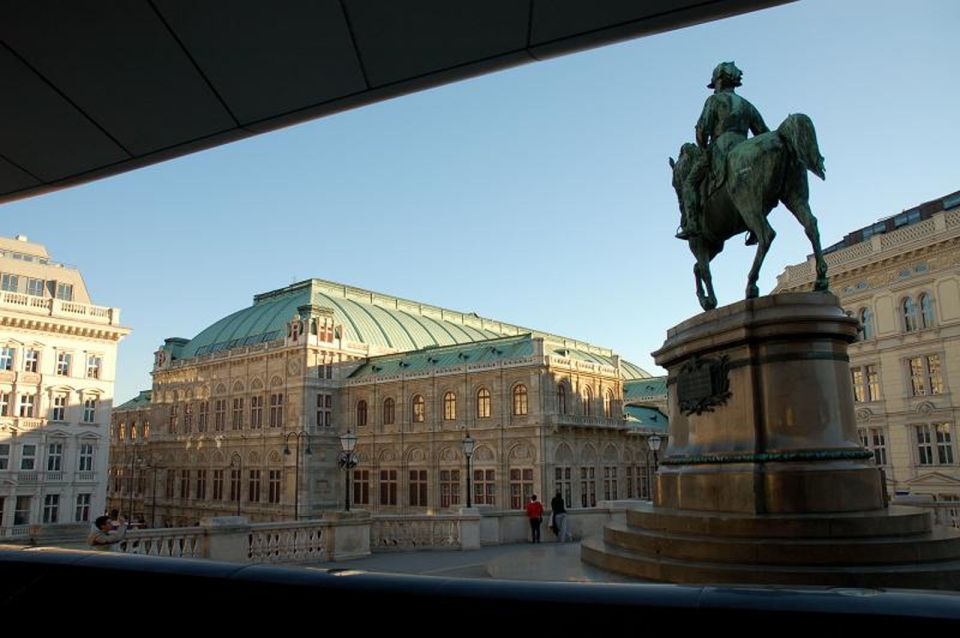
(761, 411)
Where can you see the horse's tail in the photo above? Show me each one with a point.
(801, 138)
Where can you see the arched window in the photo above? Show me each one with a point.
(361, 413)
(866, 324)
(388, 411)
(926, 311)
(419, 409)
(588, 402)
(520, 400)
(449, 406)
(608, 404)
(561, 398)
(909, 311)
(483, 403)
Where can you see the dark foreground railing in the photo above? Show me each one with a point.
(180, 594)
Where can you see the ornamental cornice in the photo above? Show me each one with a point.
(50, 325)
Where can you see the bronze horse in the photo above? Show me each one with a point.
(760, 173)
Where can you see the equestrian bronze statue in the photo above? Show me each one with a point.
(727, 184)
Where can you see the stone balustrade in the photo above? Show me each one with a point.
(60, 308)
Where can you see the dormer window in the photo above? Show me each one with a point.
(65, 292)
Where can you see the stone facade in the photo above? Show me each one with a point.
(246, 417)
(900, 278)
(57, 369)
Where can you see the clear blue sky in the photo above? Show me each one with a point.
(539, 195)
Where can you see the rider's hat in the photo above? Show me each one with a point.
(728, 70)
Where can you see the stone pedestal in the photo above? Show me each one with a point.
(761, 411)
(763, 480)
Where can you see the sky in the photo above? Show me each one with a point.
(539, 196)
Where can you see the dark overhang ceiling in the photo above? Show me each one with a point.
(90, 89)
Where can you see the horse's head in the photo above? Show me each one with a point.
(682, 166)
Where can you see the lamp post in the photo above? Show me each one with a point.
(654, 443)
(296, 481)
(154, 467)
(469, 443)
(237, 461)
(347, 460)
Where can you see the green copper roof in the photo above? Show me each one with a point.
(139, 401)
(644, 417)
(383, 322)
(502, 349)
(644, 388)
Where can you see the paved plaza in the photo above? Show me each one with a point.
(523, 561)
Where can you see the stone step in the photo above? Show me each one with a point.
(893, 521)
(939, 575)
(937, 545)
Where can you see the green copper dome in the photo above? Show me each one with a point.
(385, 323)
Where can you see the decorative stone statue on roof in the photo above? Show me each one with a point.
(727, 184)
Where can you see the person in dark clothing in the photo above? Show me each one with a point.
(561, 526)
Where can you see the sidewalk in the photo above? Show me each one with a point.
(523, 561)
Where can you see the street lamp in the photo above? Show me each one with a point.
(347, 460)
(469, 443)
(152, 465)
(654, 443)
(237, 461)
(286, 450)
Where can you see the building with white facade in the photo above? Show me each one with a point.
(58, 356)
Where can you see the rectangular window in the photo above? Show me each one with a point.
(4, 459)
(82, 513)
(856, 377)
(35, 287)
(361, 487)
(201, 493)
(218, 485)
(276, 410)
(875, 440)
(388, 487)
(51, 508)
(188, 417)
(873, 383)
(273, 488)
(324, 404)
(59, 408)
(55, 457)
(484, 487)
(944, 444)
(86, 457)
(449, 488)
(94, 366)
(89, 410)
(644, 480)
(27, 404)
(235, 485)
(418, 488)
(219, 415)
(28, 457)
(5, 401)
(202, 416)
(254, 484)
(236, 421)
(9, 283)
(171, 482)
(917, 377)
(924, 445)
(628, 473)
(31, 361)
(21, 515)
(184, 483)
(588, 487)
(63, 363)
(6, 358)
(65, 292)
(521, 487)
(610, 492)
(934, 377)
(256, 411)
